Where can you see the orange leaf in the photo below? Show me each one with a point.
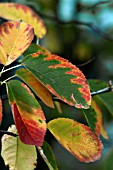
(28, 115)
(99, 124)
(0, 111)
(14, 11)
(15, 38)
(77, 138)
(38, 88)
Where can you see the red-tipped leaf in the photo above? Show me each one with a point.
(28, 115)
(77, 138)
(61, 77)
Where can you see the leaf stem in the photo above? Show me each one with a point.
(3, 71)
(8, 133)
(8, 79)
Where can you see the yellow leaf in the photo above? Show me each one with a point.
(14, 11)
(99, 124)
(15, 38)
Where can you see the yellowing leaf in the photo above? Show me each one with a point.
(99, 124)
(16, 12)
(16, 154)
(60, 77)
(38, 88)
(28, 115)
(77, 138)
(15, 37)
(0, 111)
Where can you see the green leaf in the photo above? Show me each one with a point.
(38, 88)
(16, 12)
(28, 115)
(77, 138)
(48, 156)
(105, 98)
(15, 38)
(91, 118)
(62, 78)
(17, 155)
(34, 48)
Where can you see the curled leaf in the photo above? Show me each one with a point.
(77, 138)
(61, 77)
(28, 115)
(15, 37)
(16, 12)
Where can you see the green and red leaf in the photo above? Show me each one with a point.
(0, 111)
(38, 88)
(15, 38)
(16, 12)
(28, 115)
(77, 138)
(61, 77)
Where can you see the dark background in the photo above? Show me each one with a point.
(82, 32)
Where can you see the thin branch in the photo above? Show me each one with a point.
(8, 133)
(105, 90)
(90, 25)
(90, 7)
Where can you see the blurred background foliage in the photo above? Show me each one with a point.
(80, 31)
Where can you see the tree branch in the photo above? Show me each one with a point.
(90, 25)
(8, 133)
(85, 8)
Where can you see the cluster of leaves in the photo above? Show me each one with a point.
(45, 75)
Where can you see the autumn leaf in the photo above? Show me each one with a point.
(77, 138)
(38, 88)
(16, 12)
(61, 77)
(99, 124)
(16, 154)
(0, 111)
(15, 37)
(28, 115)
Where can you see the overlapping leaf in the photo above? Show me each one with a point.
(62, 78)
(77, 138)
(38, 88)
(16, 154)
(28, 115)
(95, 119)
(105, 98)
(0, 111)
(15, 37)
(34, 48)
(14, 11)
(48, 156)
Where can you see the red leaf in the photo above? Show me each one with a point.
(28, 115)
